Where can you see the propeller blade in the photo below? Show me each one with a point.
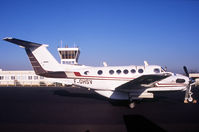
(186, 71)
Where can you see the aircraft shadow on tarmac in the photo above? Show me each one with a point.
(81, 95)
(91, 95)
(160, 97)
(140, 123)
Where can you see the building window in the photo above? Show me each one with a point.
(1, 77)
(35, 77)
(41, 77)
(118, 71)
(12, 77)
(140, 70)
(156, 70)
(29, 77)
(111, 72)
(133, 71)
(125, 71)
(100, 72)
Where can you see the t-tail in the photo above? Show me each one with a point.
(43, 63)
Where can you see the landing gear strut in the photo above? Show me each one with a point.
(188, 96)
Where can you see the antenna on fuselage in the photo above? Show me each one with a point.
(105, 64)
(146, 63)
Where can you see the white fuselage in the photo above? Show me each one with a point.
(105, 80)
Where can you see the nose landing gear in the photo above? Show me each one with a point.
(188, 96)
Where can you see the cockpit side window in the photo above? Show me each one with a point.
(156, 70)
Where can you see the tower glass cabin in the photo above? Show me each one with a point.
(69, 55)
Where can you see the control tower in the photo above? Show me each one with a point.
(69, 55)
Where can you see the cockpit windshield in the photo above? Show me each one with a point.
(163, 70)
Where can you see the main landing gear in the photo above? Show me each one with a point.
(132, 105)
(133, 102)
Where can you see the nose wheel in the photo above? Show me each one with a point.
(188, 96)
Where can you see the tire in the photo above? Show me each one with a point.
(132, 105)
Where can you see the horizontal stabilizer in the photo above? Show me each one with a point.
(23, 43)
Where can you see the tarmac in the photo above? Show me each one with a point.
(58, 109)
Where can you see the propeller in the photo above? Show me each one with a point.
(188, 92)
(186, 71)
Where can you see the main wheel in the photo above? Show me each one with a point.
(132, 105)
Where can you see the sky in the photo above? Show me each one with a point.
(120, 32)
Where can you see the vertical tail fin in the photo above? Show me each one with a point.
(42, 61)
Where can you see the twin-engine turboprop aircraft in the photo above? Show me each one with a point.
(114, 82)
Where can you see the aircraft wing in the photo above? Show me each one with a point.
(142, 82)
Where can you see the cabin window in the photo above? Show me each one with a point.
(126, 71)
(140, 70)
(111, 72)
(133, 71)
(118, 71)
(156, 70)
(100, 72)
(86, 72)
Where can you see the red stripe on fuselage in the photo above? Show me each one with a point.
(126, 79)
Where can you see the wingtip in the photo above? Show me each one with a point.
(7, 38)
